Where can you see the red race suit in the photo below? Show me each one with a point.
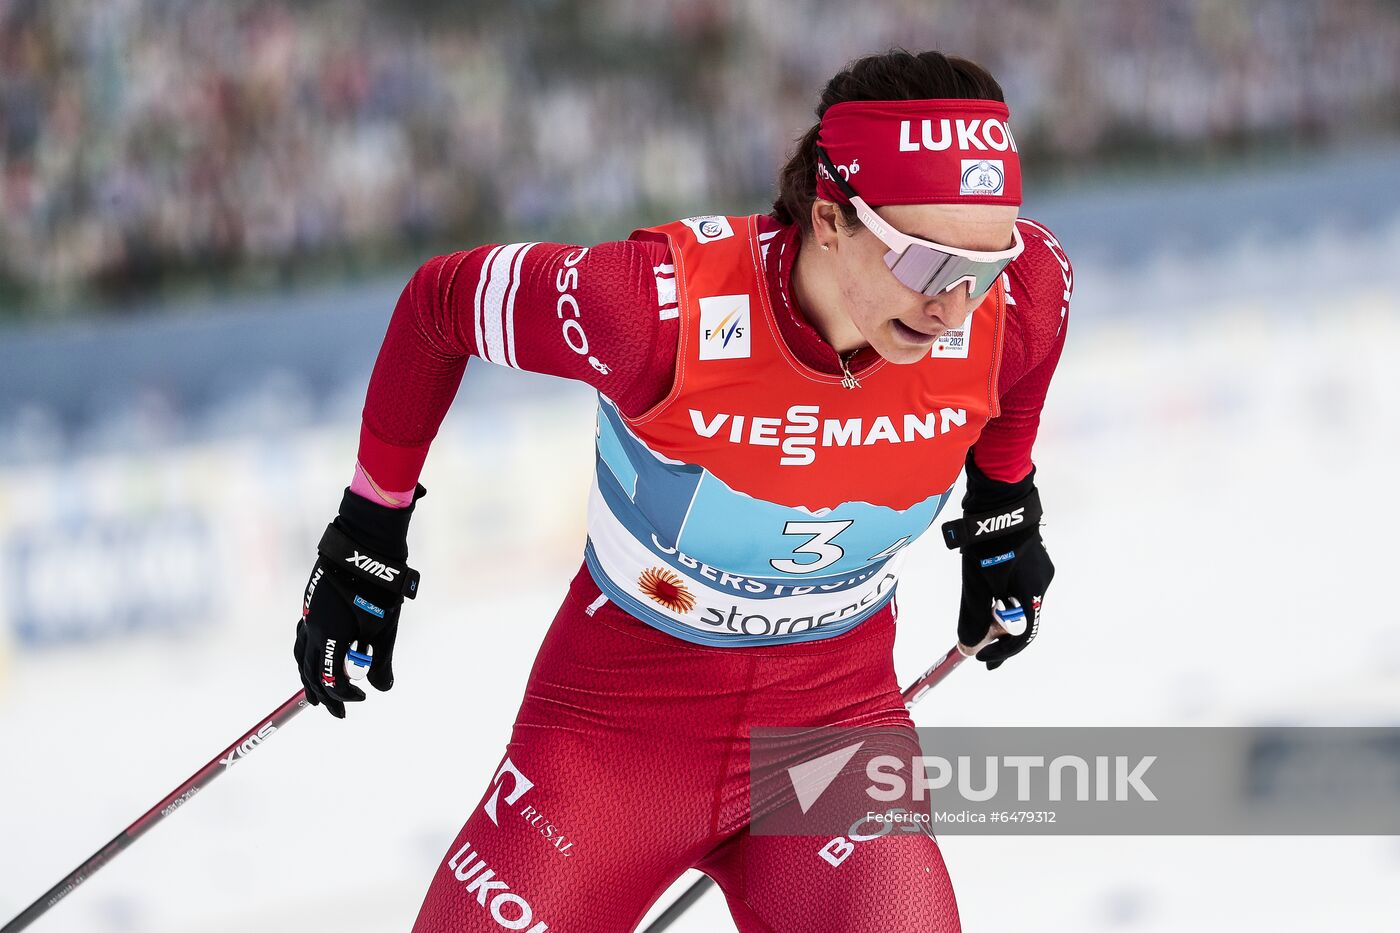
(745, 528)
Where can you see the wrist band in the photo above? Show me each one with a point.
(975, 527)
(394, 576)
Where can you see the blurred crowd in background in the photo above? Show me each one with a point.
(270, 172)
(151, 142)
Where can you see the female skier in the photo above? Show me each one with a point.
(785, 402)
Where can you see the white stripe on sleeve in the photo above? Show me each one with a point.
(510, 304)
(665, 291)
(476, 302)
(493, 302)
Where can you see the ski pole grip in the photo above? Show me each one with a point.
(993, 633)
(357, 664)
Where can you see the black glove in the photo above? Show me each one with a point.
(1003, 559)
(356, 590)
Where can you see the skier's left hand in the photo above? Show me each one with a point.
(1004, 563)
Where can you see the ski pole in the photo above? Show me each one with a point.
(912, 694)
(249, 742)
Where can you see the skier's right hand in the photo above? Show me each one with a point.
(356, 590)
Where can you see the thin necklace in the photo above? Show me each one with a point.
(848, 380)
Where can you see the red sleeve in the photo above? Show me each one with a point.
(1039, 285)
(596, 314)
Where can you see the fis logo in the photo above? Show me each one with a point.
(724, 327)
(1000, 522)
(373, 567)
(244, 748)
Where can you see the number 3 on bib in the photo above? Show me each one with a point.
(818, 543)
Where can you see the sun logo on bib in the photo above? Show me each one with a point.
(666, 588)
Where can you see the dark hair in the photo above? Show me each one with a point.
(893, 75)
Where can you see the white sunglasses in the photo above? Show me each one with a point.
(927, 267)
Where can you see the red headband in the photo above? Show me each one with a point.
(920, 152)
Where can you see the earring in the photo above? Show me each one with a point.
(825, 248)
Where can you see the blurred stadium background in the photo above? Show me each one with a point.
(207, 210)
